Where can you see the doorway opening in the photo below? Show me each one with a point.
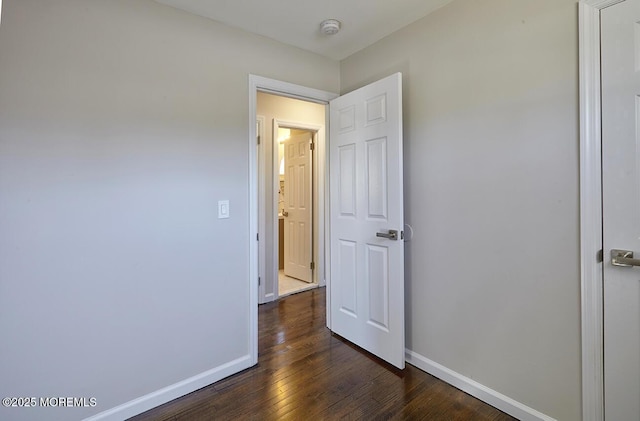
(257, 195)
(366, 154)
(291, 195)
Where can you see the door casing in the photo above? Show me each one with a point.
(261, 203)
(262, 84)
(591, 266)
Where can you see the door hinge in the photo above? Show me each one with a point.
(258, 139)
(312, 265)
(312, 146)
(259, 281)
(258, 237)
(402, 235)
(600, 256)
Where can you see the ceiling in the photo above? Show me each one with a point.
(297, 22)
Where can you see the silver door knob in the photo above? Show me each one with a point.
(391, 234)
(623, 258)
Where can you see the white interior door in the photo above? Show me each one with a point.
(366, 195)
(297, 207)
(621, 208)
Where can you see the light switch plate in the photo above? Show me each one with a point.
(223, 209)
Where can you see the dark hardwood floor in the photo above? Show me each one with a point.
(306, 373)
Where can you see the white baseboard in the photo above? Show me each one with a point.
(475, 389)
(169, 393)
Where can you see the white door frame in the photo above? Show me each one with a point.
(261, 161)
(317, 249)
(591, 252)
(262, 84)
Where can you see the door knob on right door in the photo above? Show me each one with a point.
(391, 234)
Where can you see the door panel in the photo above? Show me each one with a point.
(378, 274)
(377, 178)
(298, 215)
(621, 207)
(347, 180)
(348, 286)
(367, 271)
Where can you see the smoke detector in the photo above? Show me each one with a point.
(330, 26)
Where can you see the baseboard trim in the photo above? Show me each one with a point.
(169, 393)
(475, 389)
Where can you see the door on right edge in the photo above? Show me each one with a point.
(620, 41)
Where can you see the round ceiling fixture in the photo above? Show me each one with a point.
(330, 26)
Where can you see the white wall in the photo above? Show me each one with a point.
(121, 125)
(491, 189)
(289, 110)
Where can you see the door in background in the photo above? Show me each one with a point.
(366, 218)
(297, 213)
(621, 208)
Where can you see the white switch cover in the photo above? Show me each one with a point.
(223, 209)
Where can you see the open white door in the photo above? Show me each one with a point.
(366, 195)
(621, 208)
(297, 207)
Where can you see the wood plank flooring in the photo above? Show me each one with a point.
(306, 373)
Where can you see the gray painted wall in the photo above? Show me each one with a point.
(122, 123)
(491, 189)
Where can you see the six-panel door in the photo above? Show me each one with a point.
(367, 270)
